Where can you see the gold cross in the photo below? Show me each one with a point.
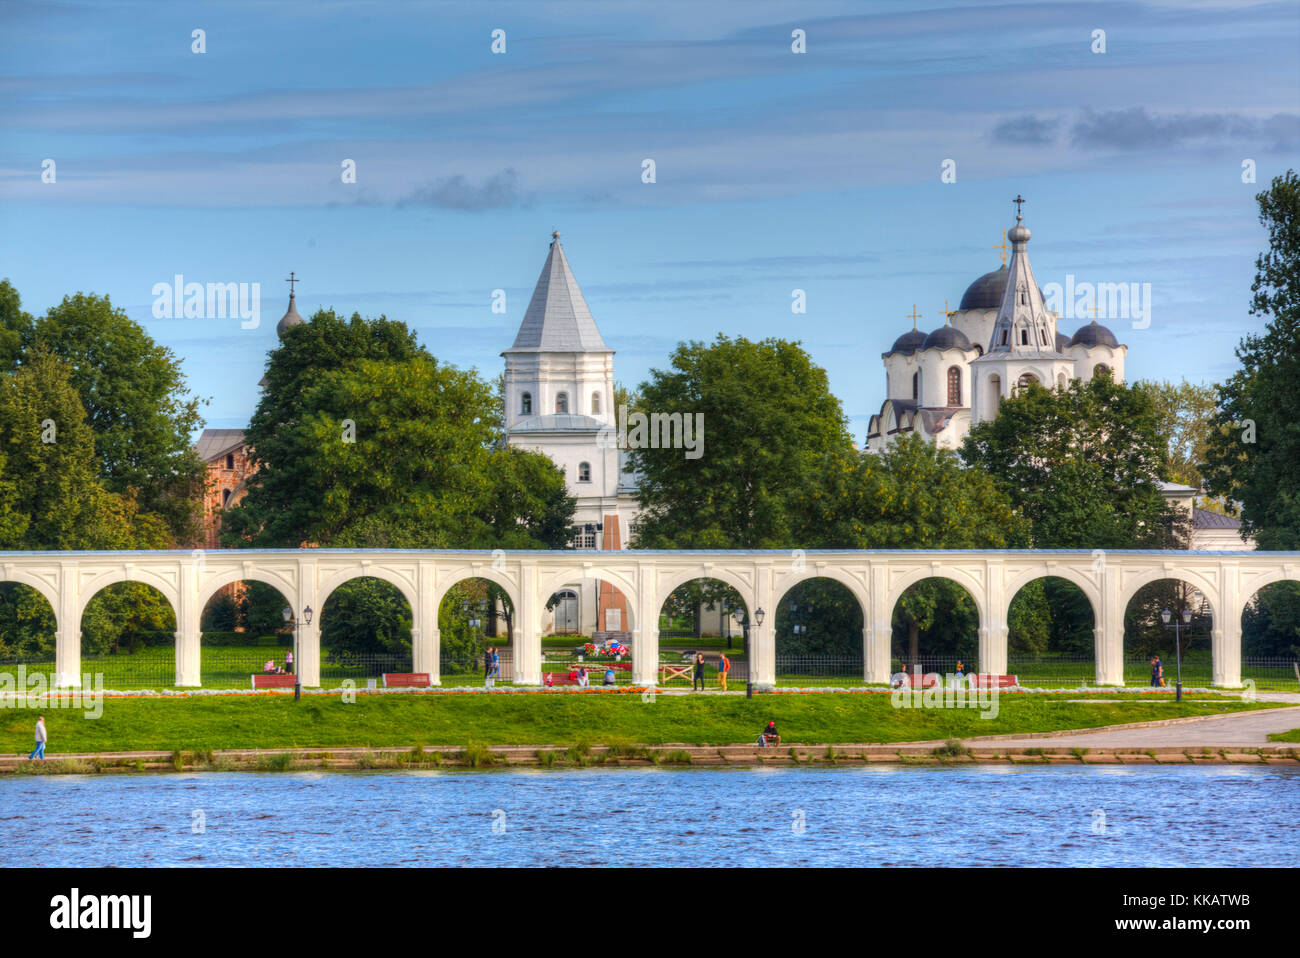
(914, 316)
(1093, 309)
(1003, 247)
(946, 312)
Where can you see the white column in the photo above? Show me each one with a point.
(188, 633)
(993, 621)
(1225, 639)
(645, 632)
(762, 638)
(877, 630)
(424, 625)
(307, 660)
(528, 634)
(67, 641)
(1108, 652)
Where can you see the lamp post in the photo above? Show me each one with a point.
(1165, 616)
(742, 619)
(297, 648)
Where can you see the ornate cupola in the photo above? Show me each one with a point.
(1023, 324)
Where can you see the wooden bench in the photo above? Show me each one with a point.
(595, 675)
(986, 680)
(406, 680)
(926, 680)
(270, 680)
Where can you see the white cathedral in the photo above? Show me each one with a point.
(1000, 338)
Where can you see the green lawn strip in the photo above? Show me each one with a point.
(199, 722)
(1291, 736)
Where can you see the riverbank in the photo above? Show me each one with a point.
(402, 722)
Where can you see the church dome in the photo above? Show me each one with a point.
(1094, 334)
(290, 318)
(1062, 341)
(909, 342)
(986, 292)
(946, 337)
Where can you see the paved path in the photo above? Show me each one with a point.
(1241, 729)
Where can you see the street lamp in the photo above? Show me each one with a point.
(742, 619)
(1165, 616)
(297, 648)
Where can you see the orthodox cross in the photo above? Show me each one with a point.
(914, 316)
(946, 313)
(1018, 200)
(291, 281)
(1003, 247)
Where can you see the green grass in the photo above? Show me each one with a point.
(1291, 736)
(192, 724)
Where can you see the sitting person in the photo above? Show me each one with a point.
(269, 668)
(609, 677)
(582, 677)
(770, 736)
(550, 679)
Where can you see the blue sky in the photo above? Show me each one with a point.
(775, 170)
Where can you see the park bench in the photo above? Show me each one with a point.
(985, 680)
(406, 680)
(925, 680)
(595, 674)
(270, 680)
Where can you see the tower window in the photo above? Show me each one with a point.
(225, 497)
(916, 383)
(562, 403)
(1004, 337)
(1024, 337)
(230, 460)
(584, 472)
(526, 404)
(595, 404)
(1025, 381)
(954, 386)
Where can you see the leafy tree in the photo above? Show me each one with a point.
(1050, 615)
(769, 422)
(15, 327)
(1253, 453)
(1081, 464)
(829, 615)
(1271, 623)
(1185, 411)
(365, 616)
(136, 404)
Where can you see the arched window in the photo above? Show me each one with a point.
(954, 386)
(526, 404)
(1042, 335)
(916, 382)
(1101, 369)
(1060, 381)
(1024, 337)
(562, 403)
(595, 404)
(225, 497)
(230, 460)
(1004, 337)
(995, 396)
(1024, 382)
(584, 472)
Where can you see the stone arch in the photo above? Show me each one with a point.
(1086, 585)
(21, 577)
(446, 578)
(970, 583)
(684, 576)
(855, 587)
(1194, 579)
(555, 581)
(337, 577)
(135, 574)
(209, 586)
(1252, 588)
(1056, 666)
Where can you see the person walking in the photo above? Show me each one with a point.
(288, 656)
(487, 664)
(724, 664)
(496, 665)
(39, 750)
(697, 683)
(1157, 669)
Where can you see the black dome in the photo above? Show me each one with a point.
(947, 337)
(986, 292)
(909, 342)
(1094, 334)
(1062, 341)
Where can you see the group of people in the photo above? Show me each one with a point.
(582, 679)
(724, 666)
(1157, 667)
(270, 668)
(491, 667)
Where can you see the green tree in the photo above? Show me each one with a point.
(769, 422)
(15, 327)
(136, 404)
(1253, 454)
(1082, 465)
(1185, 412)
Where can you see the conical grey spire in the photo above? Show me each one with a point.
(557, 319)
(1023, 324)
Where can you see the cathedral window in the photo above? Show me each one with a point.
(225, 497)
(1025, 381)
(1024, 337)
(230, 460)
(526, 404)
(916, 383)
(595, 404)
(584, 472)
(1042, 336)
(562, 403)
(1004, 337)
(954, 386)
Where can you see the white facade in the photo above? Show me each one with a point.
(939, 385)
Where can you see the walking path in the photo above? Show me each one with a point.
(1243, 729)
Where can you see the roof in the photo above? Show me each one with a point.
(1175, 489)
(909, 342)
(290, 318)
(986, 292)
(559, 422)
(1094, 334)
(947, 337)
(214, 443)
(557, 319)
(1204, 519)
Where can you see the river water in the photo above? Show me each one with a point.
(878, 815)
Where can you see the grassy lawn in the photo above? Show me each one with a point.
(1291, 736)
(391, 720)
